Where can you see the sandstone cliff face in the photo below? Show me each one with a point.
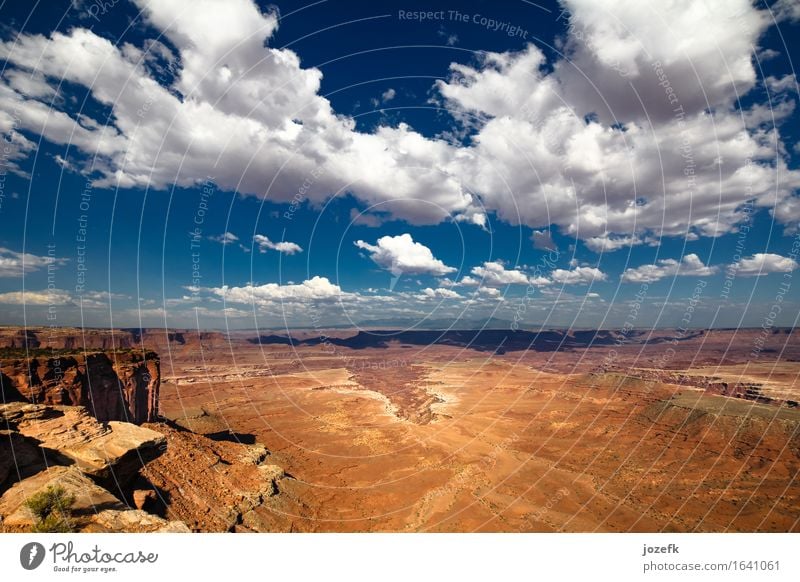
(88, 339)
(66, 338)
(112, 386)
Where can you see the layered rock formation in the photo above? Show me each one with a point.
(43, 446)
(218, 485)
(89, 339)
(138, 478)
(110, 453)
(120, 385)
(65, 338)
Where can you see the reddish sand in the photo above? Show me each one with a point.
(443, 438)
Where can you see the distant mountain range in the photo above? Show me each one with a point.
(429, 323)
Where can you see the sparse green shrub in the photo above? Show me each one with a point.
(52, 509)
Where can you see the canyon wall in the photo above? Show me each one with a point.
(97, 339)
(119, 385)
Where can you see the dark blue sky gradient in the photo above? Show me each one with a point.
(138, 246)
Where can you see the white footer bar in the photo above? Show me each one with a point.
(388, 557)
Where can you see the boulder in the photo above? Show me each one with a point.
(143, 498)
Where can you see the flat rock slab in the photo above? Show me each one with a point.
(111, 452)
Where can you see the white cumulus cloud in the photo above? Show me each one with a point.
(689, 265)
(225, 238)
(45, 297)
(635, 133)
(265, 244)
(61, 297)
(494, 274)
(402, 255)
(315, 289)
(763, 264)
(578, 276)
(440, 293)
(15, 264)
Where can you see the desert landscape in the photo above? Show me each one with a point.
(525, 274)
(405, 431)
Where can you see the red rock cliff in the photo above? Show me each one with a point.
(121, 385)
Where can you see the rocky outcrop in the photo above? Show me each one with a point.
(751, 391)
(43, 446)
(110, 453)
(128, 478)
(224, 486)
(95, 509)
(119, 385)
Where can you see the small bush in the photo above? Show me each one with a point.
(53, 524)
(52, 509)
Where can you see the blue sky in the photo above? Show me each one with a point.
(245, 165)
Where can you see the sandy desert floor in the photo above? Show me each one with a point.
(441, 438)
